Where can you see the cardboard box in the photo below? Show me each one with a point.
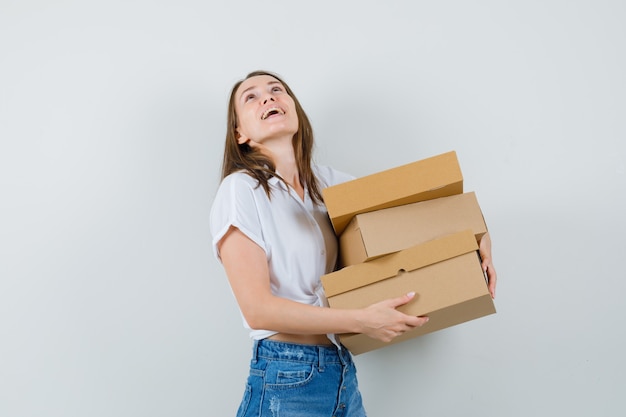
(445, 273)
(370, 235)
(434, 177)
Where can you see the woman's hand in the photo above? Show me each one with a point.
(384, 322)
(484, 248)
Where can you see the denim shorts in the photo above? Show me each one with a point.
(293, 380)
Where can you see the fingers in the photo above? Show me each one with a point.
(397, 331)
(492, 277)
(384, 322)
(397, 302)
(408, 320)
(418, 321)
(487, 264)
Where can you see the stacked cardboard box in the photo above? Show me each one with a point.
(377, 233)
(430, 178)
(410, 228)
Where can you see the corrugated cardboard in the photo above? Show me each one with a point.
(429, 178)
(370, 235)
(445, 273)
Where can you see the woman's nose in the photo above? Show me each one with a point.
(269, 98)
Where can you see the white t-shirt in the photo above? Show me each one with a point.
(295, 234)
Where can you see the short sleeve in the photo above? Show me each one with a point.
(329, 176)
(235, 205)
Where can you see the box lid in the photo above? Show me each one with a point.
(389, 266)
(425, 179)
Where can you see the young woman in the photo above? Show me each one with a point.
(272, 234)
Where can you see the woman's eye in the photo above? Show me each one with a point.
(276, 89)
(249, 97)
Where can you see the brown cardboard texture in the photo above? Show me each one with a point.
(377, 233)
(429, 178)
(445, 274)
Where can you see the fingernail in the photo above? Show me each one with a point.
(411, 294)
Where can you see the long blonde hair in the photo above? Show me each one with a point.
(243, 157)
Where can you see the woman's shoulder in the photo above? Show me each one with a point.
(237, 191)
(238, 179)
(329, 176)
(235, 184)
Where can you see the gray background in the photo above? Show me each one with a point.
(112, 117)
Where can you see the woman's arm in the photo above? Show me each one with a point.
(484, 248)
(247, 270)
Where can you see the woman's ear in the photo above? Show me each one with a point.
(241, 139)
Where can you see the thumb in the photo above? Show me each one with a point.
(397, 302)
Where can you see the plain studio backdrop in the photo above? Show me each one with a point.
(112, 121)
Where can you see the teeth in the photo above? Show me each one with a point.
(270, 110)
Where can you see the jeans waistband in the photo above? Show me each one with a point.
(285, 351)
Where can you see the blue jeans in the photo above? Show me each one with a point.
(293, 380)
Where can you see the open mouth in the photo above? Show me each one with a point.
(273, 111)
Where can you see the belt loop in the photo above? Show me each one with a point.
(255, 349)
(320, 358)
(344, 356)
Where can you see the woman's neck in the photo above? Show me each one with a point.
(283, 156)
(287, 167)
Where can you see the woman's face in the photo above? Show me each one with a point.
(264, 110)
